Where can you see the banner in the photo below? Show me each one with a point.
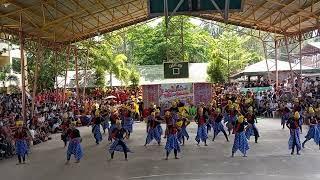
(150, 94)
(202, 93)
(171, 92)
(256, 89)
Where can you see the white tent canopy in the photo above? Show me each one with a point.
(261, 68)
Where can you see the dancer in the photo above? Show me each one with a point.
(21, 137)
(65, 126)
(127, 121)
(169, 121)
(252, 129)
(230, 117)
(297, 108)
(96, 129)
(294, 140)
(172, 142)
(212, 116)
(313, 132)
(113, 119)
(218, 126)
(240, 139)
(201, 119)
(285, 114)
(174, 110)
(154, 128)
(118, 134)
(318, 126)
(182, 123)
(74, 146)
(105, 121)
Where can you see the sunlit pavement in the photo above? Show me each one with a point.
(269, 159)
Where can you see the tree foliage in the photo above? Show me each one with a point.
(147, 44)
(134, 78)
(4, 73)
(107, 57)
(229, 55)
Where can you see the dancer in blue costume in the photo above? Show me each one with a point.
(313, 132)
(285, 114)
(298, 108)
(252, 129)
(240, 139)
(318, 119)
(174, 110)
(169, 120)
(154, 128)
(21, 137)
(118, 134)
(74, 146)
(105, 121)
(65, 126)
(127, 120)
(294, 139)
(212, 115)
(182, 124)
(172, 142)
(218, 126)
(96, 129)
(201, 119)
(230, 117)
(113, 119)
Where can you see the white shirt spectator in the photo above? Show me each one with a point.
(32, 133)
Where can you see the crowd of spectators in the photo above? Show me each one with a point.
(270, 103)
(52, 108)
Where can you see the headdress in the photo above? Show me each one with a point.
(19, 123)
(311, 110)
(179, 123)
(296, 115)
(241, 119)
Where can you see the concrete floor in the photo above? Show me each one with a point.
(269, 159)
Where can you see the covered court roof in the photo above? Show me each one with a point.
(75, 20)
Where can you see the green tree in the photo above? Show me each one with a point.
(108, 60)
(4, 73)
(146, 44)
(100, 77)
(230, 54)
(216, 71)
(134, 78)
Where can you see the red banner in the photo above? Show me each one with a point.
(202, 93)
(150, 94)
